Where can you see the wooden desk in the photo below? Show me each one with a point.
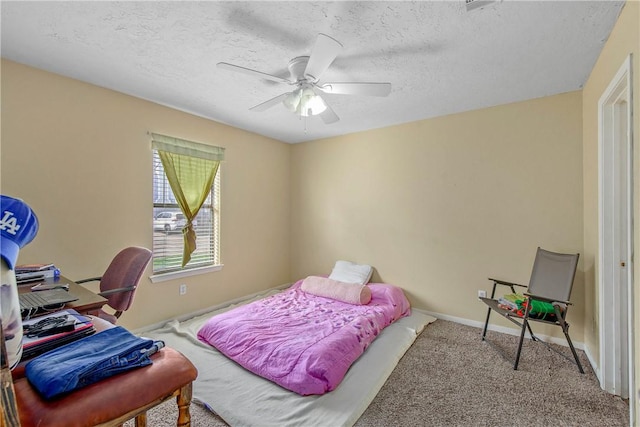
(87, 301)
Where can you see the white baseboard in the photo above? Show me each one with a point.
(594, 366)
(516, 332)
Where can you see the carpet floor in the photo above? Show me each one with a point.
(449, 377)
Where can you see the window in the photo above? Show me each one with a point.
(169, 219)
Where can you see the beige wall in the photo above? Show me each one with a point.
(624, 40)
(437, 206)
(80, 156)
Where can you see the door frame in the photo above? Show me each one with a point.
(616, 206)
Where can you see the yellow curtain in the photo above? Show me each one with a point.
(190, 168)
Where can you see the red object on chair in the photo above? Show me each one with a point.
(119, 282)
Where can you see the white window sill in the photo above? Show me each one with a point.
(163, 277)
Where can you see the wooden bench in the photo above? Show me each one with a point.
(113, 401)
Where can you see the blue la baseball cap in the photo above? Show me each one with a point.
(18, 226)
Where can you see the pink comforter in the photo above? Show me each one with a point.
(303, 342)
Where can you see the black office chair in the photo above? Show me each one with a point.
(551, 282)
(120, 280)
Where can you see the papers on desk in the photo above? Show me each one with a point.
(53, 330)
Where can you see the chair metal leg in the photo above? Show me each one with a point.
(560, 315)
(573, 350)
(486, 324)
(533, 337)
(525, 325)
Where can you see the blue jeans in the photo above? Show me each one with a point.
(87, 361)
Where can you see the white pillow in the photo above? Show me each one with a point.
(348, 272)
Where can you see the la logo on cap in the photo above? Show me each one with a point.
(9, 223)
(18, 226)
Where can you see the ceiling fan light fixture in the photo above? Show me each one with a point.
(310, 103)
(292, 102)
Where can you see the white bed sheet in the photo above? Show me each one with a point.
(244, 399)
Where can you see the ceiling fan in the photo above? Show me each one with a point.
(306, 72)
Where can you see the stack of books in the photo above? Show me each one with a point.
(32, 272)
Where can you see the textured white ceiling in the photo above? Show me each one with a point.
(439, 58)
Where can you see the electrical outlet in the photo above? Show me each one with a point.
(183, 289)
(482, 294)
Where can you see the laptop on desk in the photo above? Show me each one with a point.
(31, 302)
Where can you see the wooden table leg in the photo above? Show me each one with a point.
(141, 420)
(184, 401)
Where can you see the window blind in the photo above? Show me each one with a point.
(168, 220)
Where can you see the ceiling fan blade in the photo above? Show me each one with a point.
(329, 116)
(324, 52)
(270, 103)
(237, 68)
(368, 89)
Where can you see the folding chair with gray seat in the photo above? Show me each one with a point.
(551, 282)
